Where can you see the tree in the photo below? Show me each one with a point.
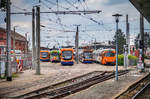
(121, 41)
(146, 41)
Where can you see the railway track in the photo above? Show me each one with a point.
(10, 90)
(137, 90)
(144, 93)
(68, 87)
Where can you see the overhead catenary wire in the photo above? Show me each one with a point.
(81, 4)
(18, 8)
(56, 15)
(56, 4)
(83, 15)
(79, 14)
(71, 4)
(48, 7)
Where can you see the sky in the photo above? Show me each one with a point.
(93, 27)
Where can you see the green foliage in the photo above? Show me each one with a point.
(14, 75)
(131, 58)
(2, 77)
(120, 59)
(121, 41)
(145, 56)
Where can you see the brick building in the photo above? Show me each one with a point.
(20, 41)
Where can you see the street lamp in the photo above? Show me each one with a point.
(117, 21)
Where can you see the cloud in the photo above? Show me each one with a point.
(100, 2)
(115, 2)
(25, 25)
(108, 8)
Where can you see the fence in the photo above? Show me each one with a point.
(19, 62)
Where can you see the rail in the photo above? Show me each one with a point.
(141, 91)
(63, 89)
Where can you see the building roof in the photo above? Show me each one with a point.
(17, 35)
(143, 6)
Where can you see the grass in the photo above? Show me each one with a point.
(14, 75)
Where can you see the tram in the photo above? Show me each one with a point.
(86, 56)
(67, 56)
(105, 56)
(44, 55)
(55, 56)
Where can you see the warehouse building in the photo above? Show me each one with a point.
(21, 42)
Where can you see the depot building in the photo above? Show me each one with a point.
(21, 42)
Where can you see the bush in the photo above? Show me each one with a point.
(132, 60)
(145, 57)
(132, 57)
(120, 59)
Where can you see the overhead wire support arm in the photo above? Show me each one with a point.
(61, 12)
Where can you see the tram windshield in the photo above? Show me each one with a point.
(54, 54)
(109, 54)
(44, 54)
(87, 55)
(67, 55)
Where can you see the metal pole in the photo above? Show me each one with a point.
(14, 40)
(26, 36)
(33, 39)
(126, 50)
(38, 40)
(8, 63)
(77, 44)
(116, 74)
(0, 63)
(95, 44)
(127, 34)
(142, 36)
(117, 21)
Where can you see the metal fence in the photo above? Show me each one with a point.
(25, 60)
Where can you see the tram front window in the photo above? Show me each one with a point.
(67, 55)
(54, 54)
(44, 54)
(87, 55)
(109, 54)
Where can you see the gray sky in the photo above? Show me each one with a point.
(102, 29)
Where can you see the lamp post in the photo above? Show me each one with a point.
(117, 21)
